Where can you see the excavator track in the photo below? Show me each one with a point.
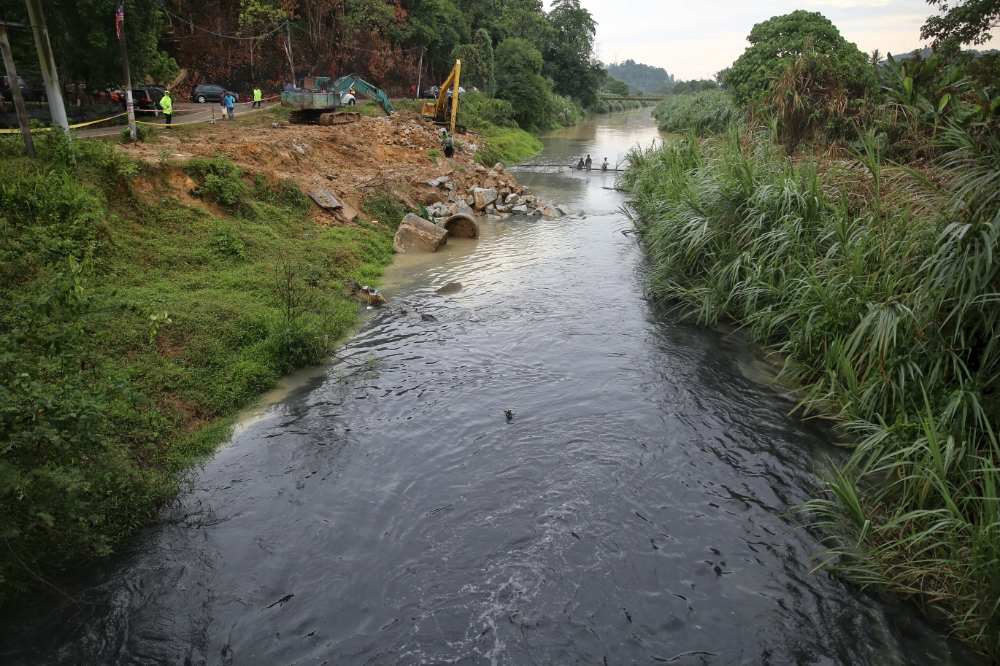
(328, 119)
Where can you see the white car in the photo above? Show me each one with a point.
(348, 99)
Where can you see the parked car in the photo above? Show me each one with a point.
(209, 92)
(432, 92)
(461, 92)
(144, 100)
(5, 89)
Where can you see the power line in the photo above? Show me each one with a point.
(218, 34)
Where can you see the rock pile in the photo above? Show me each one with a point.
(482, 191)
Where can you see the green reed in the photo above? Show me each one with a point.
(881, 283)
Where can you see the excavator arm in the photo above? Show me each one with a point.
(439, 110)
(345, 83)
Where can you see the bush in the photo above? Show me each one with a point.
(142, 133)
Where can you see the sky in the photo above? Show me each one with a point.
(695, 39)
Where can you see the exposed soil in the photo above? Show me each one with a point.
(352, 161)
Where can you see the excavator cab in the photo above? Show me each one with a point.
(444, 111)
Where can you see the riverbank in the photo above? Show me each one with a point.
(157, 290)
(850, 269)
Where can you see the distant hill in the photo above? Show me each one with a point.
(648, 79)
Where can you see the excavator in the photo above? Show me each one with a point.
(446, 105)
(319, 99)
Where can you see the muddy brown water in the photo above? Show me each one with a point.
(385, 510)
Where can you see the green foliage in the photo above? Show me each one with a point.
(433, 155)
(779, 41)
(615, 87)
(567, 56)
(562, 112)
(964, 22)
(703, 113)
(104, 396)
(388, 210)
(85, 42)
(520, 82)
(142, 133)
(694, 85)
(651, 80)
(881, 287)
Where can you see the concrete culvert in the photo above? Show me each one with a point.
(462, 225)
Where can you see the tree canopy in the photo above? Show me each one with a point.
(778, 42)
(965, 21)
(651, 80)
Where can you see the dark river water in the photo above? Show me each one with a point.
(386, 511)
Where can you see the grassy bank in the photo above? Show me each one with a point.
(882, 284)
(493, 120)
(704, 113)
(138, 323)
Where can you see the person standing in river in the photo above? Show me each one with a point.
(605, 165)
(588, 163)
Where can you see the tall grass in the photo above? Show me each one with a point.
(705, 113)
(884, 288)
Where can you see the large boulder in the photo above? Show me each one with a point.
(416, 234)
(462, 225)
(483, 197)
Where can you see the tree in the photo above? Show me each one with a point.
(85, 43)
(616, 87)
(965, 21)
(567, 57)
(779, 41)
(258, 18)
(520, 81)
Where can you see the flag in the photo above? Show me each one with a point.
(119, 19)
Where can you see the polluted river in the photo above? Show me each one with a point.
(537, 467)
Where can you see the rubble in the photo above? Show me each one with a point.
(342, 165)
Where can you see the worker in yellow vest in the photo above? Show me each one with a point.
(167, 105)
(257, 97)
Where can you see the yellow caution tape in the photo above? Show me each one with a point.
(49, 129)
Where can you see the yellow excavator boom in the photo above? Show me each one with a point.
(439, 110)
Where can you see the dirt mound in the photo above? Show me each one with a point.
(352, 161)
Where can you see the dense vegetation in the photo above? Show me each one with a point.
(704, 113)
(539, 61)
(135, 327)
(642, 78)
(849, 221)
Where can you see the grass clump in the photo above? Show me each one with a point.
(882, 286)
(705, 113)
(136, 329)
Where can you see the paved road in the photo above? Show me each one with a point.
(184, 112)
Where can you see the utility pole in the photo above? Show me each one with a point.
(129, 106)
(48, 63)
(15, 87)
(291, 62)
(420, 70)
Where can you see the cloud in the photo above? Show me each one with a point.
(696, 39)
